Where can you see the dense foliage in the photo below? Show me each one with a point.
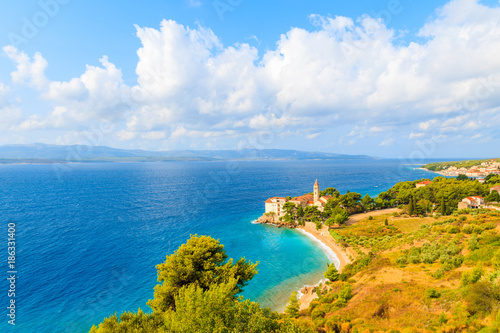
(198, 293)
(442, 195)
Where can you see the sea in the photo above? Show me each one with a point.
(88, 236)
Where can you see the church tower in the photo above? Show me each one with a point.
(316, 192)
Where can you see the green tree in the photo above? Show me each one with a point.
(442, 208)
(293, 307)
(492, 197)
(411, 207)
(332, 273)
(312, 212)
(300, 211)
(204, 302)
(202, 261)
(368, 202)
(462, 177)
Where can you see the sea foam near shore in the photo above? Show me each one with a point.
(329, 252)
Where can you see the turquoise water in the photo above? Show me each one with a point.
(89, 235)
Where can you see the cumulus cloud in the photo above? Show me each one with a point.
(194, 3)
(340, 71)
(30, 72)
(10, 112)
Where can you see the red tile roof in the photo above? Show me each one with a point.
(306, 197)
(270, 199)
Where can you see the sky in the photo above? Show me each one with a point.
(393, 78)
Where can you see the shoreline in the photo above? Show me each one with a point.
(332, 250)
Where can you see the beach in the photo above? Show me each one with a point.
(333, 251)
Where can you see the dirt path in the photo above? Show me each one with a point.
(358, 217)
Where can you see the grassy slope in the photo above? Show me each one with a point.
(390, 295)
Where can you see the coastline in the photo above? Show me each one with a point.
(332, 250)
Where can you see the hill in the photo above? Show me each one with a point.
(43, 153)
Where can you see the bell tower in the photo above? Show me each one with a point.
(316, 192)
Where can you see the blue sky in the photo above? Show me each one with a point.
(385, 78)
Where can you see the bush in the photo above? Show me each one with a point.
(476, 273)
(401, 260)
(467, 229)
(452, 229)
(481, 298)
(489, 226)
(432, 293)
(332, 273)
(462, 218)
(438, 274)
(473, 244)
(478, 230)
(414, 259)
(465, 278)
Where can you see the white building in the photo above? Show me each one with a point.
(471, 202)
(275, 204)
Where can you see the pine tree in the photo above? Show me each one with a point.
(411, 207)
(293, 307)
(443, 206)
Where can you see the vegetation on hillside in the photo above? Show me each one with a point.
(442, 195)
(198, 292)
(427, 274)
(428, 268)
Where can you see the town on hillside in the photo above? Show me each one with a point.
(274, 205)
(329, 207)
(479, 171)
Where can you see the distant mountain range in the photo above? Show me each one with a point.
(43, 153)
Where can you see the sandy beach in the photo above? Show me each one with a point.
(323, 236)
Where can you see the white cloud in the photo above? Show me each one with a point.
(28, 72)
(190, 86)
(194, 3)
(154, 135)
(387, 142)
(415, 135)
(313, 136)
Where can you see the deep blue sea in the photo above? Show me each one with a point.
(89, 235)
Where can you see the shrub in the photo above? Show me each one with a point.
(438, 274)
(481, 298)
(465, 278)
(370, 218)
(452, 229)
(476, 273)
(414, 259)
(462, 218)
(478, 230)
(467, 229)
(345, 294)
(447, 266)
(496, 260)
(473, 244)
(401, 260)
(332, 273)
(452, 249)
(432, 293)
(489, 226)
